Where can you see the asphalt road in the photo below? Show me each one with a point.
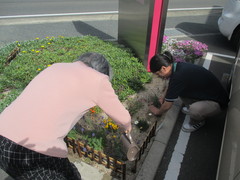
(28, 7)
(179, 24)
(31, 7)
(200, 160)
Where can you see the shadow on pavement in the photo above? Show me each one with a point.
(85, 29)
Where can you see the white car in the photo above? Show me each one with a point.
(229, 158)
(229, 22)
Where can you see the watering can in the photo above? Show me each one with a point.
(130, 148)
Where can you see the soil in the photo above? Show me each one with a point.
(142, 121)
(151, 92)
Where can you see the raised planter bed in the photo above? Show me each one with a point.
(119, 166)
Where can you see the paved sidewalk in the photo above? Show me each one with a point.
(156, 152)
(4, 176)
(87, 172)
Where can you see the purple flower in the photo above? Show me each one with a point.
(82, 129)
(184, 50)
(198, 53)
(85, 149)
(177, 59)
(93, 134)
(165, 39)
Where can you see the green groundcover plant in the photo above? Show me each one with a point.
(36, 55)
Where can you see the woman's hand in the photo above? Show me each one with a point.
(128, 130)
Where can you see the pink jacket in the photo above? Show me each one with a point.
(53, 102)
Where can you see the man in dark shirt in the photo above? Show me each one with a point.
(201, 92)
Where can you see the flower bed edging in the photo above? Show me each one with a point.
(109, 162)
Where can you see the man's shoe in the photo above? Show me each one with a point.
(185, 110)
(192, 127)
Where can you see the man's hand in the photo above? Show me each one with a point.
(159, 111)
(154, 110)
(161, 99)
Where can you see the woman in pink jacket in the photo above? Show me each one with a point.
(33, 127)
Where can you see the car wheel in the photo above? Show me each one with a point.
(235, 39)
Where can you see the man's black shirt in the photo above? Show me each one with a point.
(195, 82)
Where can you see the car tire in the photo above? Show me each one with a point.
(235, 39)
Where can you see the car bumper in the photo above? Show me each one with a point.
(225, 26)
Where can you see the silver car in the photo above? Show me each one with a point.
(229, 161)
(229, 22)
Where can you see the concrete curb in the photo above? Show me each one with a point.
(55, 19)
(157, 149)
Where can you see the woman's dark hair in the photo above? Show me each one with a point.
(159, 60)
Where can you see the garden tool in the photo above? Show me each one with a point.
(130, 148)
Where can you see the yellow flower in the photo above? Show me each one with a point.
(32, 50)
(37, 38)
(42, 46)
(114, 136)
(19, 45)
(49, 65)
(47, 37)
(24, 51)
(115, 127)
(39, 69)
(37, 51)
(49, 43)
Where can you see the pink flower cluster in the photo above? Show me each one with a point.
(184, 50)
